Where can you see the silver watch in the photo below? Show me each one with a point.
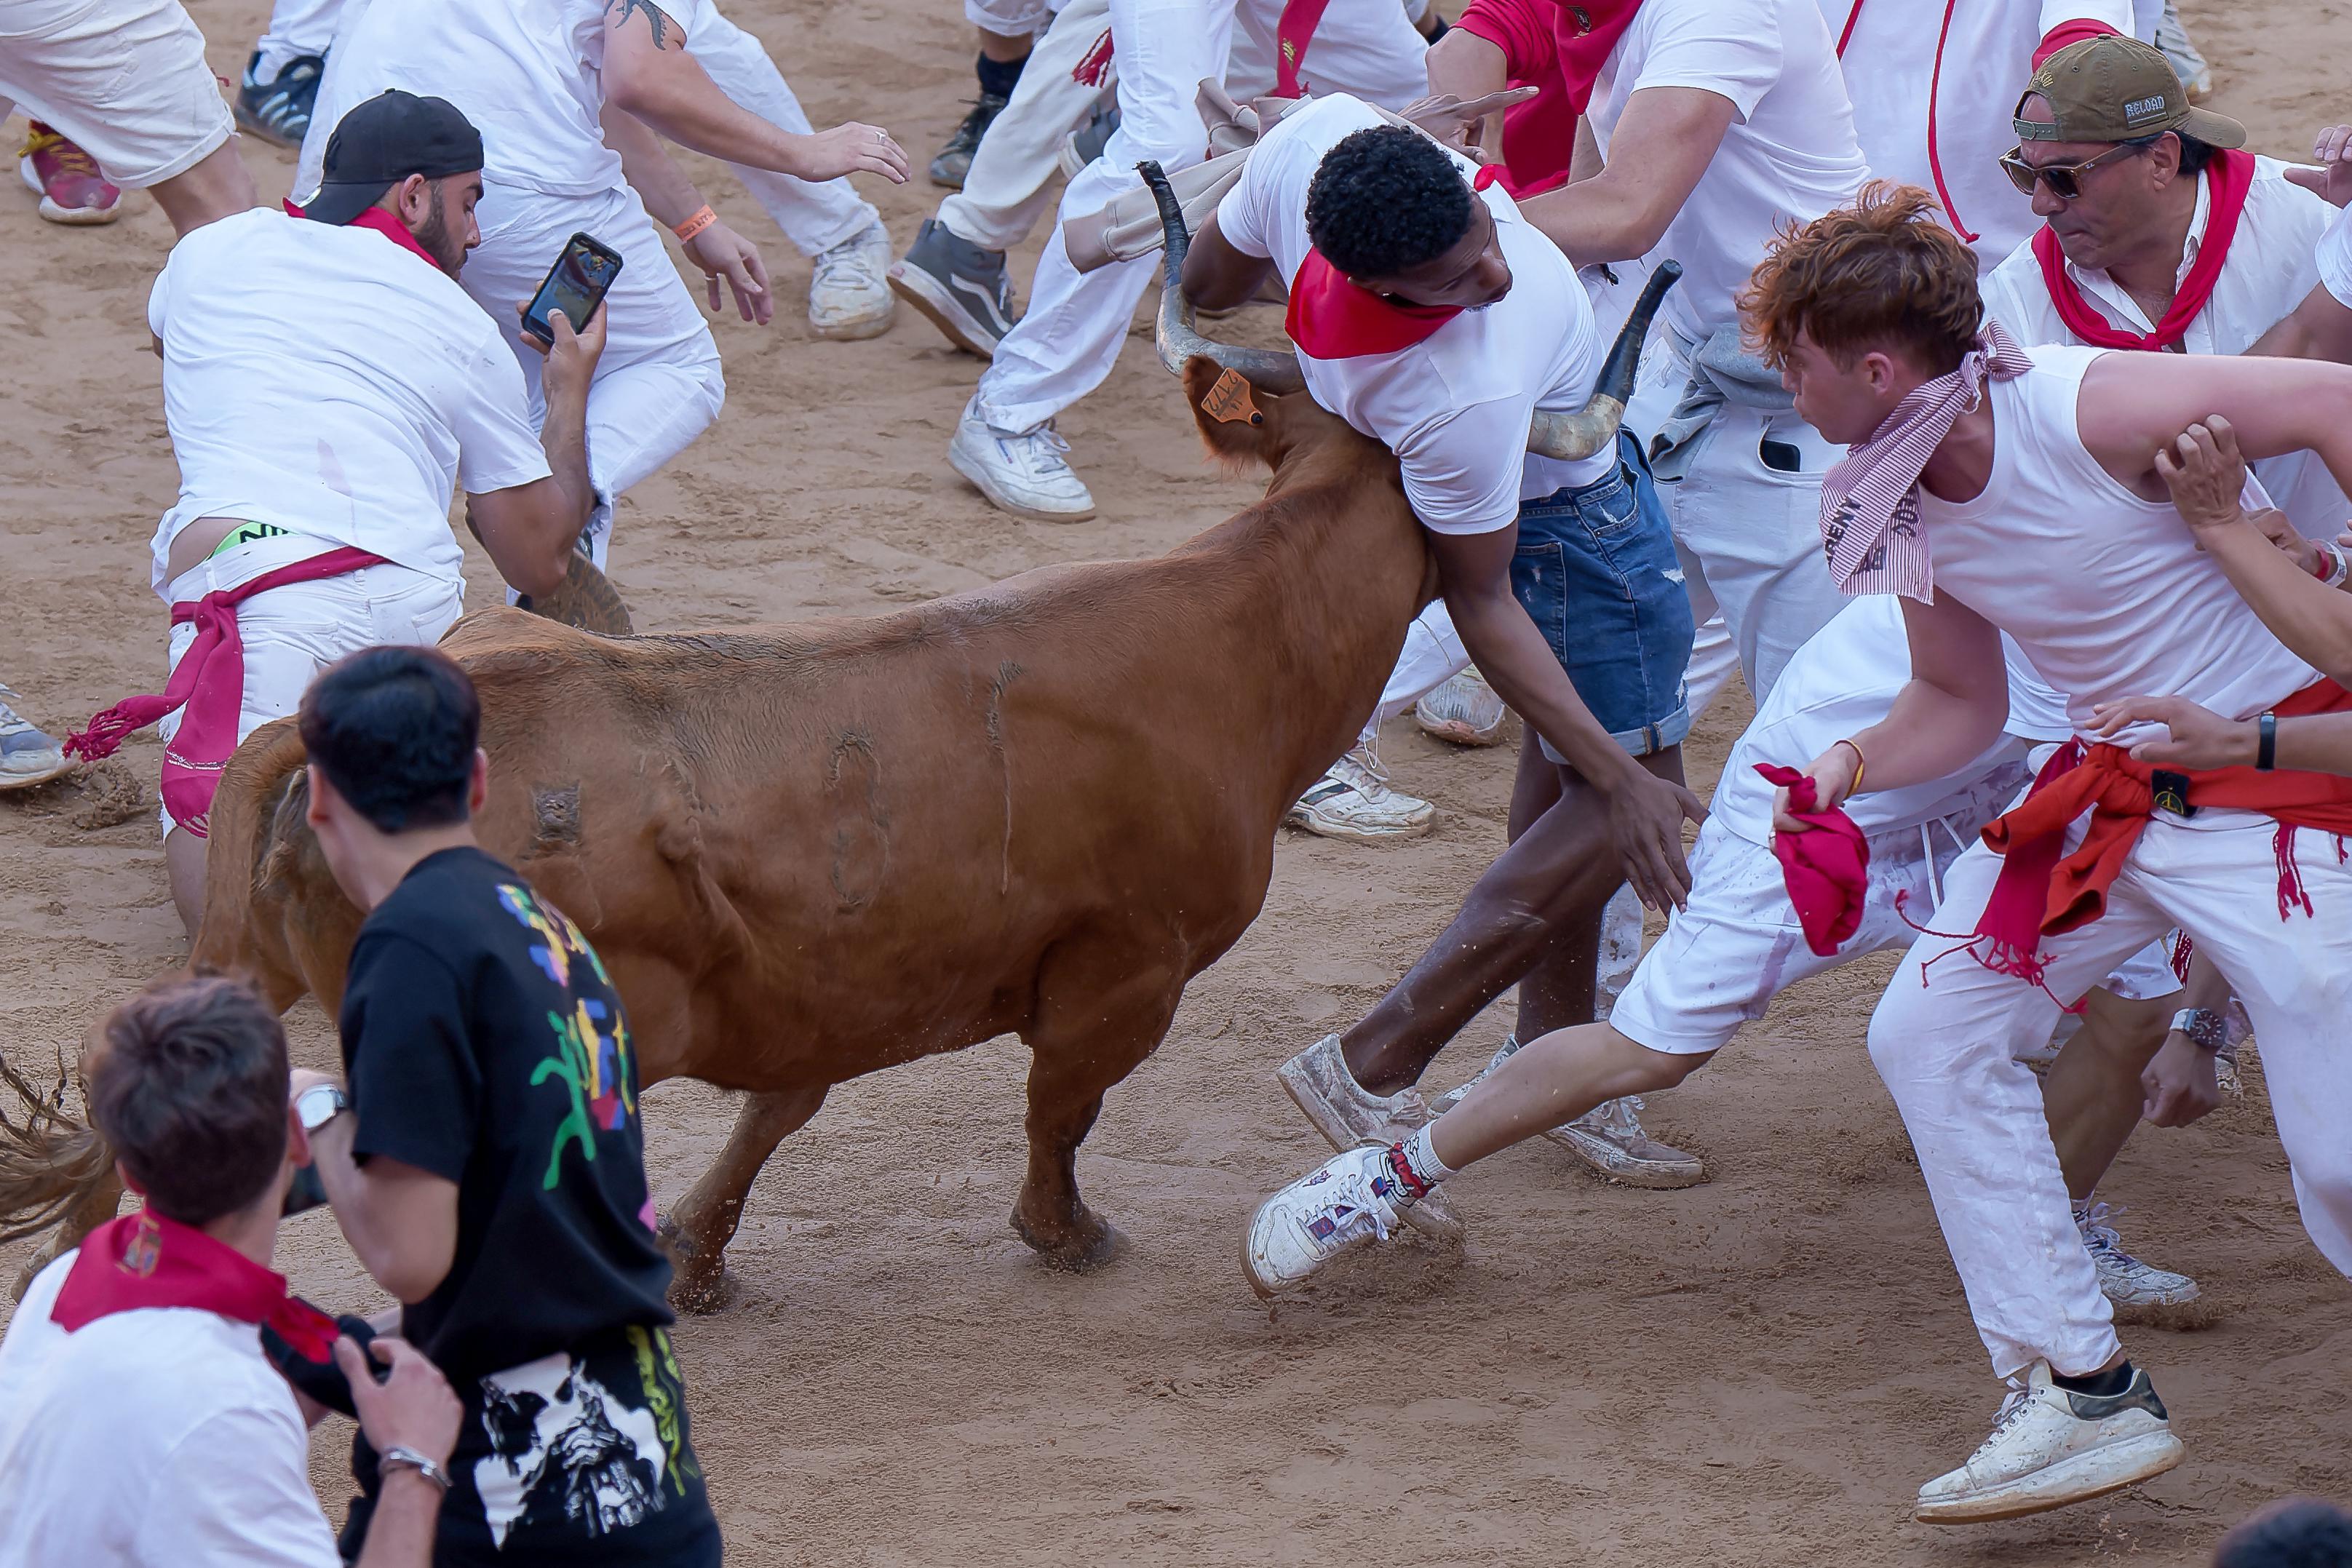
(320, 1105)
(2337, 567)
(2205, 1028)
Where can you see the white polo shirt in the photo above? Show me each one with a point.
(1789, 153)
(329, 382)
(154, 1439)
(1934, 89)
(2269, 270)
(2334, 259)
(1454, 407)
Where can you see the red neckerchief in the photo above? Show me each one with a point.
(1827, 871)
(1332, 319)
(144, 1260)
(1584, 34)
(384, 223)
(1292, 33)
(2231, 175)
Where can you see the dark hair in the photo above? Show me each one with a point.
(1882, 271)
(394, 730)
(2194, 154)
(1385, 199)
(2300, 1532)
(191, 1093)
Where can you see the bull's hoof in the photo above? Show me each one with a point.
(698, 1283)
(1080, 1249)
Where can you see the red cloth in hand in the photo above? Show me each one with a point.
(1827, 870)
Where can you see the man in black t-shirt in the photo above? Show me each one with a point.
(487, 1165)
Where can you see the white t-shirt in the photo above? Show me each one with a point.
(2269, 271)
(154, 1439)
(1789, 153)
(1969, 63)
(2335, 258)
(1844, 680)
(527, 73)
(1454, 407)
(329, 382)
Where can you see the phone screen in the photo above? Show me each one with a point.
(575, 285)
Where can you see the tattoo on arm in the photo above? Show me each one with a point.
(657, 19)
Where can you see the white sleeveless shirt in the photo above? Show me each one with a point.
(2106, 593)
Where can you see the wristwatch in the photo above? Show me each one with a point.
(2205, 1028)
(2333, 568)
(320, 1105)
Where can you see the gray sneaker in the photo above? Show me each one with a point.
(963, 288)
(1608, 1137)
(27, 757)
(1348, 1115)
(953, 159)
(1083, 145)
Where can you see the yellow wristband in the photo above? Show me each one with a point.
(702, 219)
(1861, 766)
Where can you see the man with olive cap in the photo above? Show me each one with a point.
(326, 382)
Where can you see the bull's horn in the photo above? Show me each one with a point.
(1580, 435)
(1268, 370)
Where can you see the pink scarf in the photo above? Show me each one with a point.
(1827, 870)
(1870, 498)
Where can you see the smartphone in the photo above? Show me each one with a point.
(575, 285)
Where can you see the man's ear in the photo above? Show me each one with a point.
(1880, 368)
(298, 1138)
(318, 813)
(412, 200)
(477, 788)
(1229, 411)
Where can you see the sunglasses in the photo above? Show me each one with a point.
(2065, 180)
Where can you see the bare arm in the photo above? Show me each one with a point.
(1945, 716)
(2134, 405)
(2318, 329)
(411, 1408)
(650, 74)
(530, 530)
(1661, 148)
(672, 198)
(401, 1222)
(1645, 812)
(1217, 277)
(1466, 65)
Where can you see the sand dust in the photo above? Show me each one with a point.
(1757, 1372)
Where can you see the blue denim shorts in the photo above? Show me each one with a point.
(1596, 572)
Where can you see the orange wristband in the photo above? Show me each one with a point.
(701, 220)
(1861, 764)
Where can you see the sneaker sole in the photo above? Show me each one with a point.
(2077, 1479)
(1434, 1217)
(859, 329)
(26, 780)
(959, 326)
(1617, 1167)
(1332, 830)
(79, 217)
(1002, 503)
(256, 127)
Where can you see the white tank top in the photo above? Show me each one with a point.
(2106, 593)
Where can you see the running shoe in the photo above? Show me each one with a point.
(2181, 54)
(1355, 800)
(953, 159)
(1608, 1137)
(962, 287)
(27, 757)
(1348, 1115)
(849, 297)
(2050, 1447)
(1083, 145)
(279, 110)
(67, 179)
(1465, 710)
(1347, 1201)
(1024, 471)
(2124, 1279)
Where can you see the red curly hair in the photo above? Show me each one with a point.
(1883, 271)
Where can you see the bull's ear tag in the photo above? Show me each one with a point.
(1228, 400)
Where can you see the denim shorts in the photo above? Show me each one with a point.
(1596, 572)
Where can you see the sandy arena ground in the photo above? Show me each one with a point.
(1757, 1372)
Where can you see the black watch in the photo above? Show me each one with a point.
(2205, 1028)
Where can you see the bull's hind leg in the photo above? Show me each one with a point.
(1100, 1012)
(698, 1232)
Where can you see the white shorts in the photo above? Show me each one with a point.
(125, 79)
(291, 633)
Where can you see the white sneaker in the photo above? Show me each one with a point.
(1465, 710)
(1349, 1116)
(1608, 1137)
(2051, 1447)
(27, 755)
(849, 293)
(2124, 1279)
(1355, 800)
(1345, 1202)
(1020, 471)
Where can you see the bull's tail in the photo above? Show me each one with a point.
(52, 1163)
(248, 830)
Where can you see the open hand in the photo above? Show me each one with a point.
(853, 149)
(2199, 736)
(1645, 824)
(2179, 1082)
(2332, 150)
(727, 256)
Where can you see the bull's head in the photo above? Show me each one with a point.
(1568, 436)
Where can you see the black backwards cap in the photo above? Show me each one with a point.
(383, 141)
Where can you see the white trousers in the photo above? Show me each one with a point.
(123, 79)
(1944, 1037)
(297, 27)
(1749, 535)
(1363, 47)
(1005, 191)
(1067, 341)
(657, 385)
(815, 215)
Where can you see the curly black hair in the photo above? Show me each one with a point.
(1385, 199)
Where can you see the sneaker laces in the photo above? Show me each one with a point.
(1364, 1205)
(1362, 770)
(2014, 1406)
(70, 158)
(839, 265)
(2099, 1234)
(1619, 1116)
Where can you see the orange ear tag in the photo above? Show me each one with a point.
(1228, 400)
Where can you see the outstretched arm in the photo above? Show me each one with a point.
(673, 198)
(1662, 144)
(2134, 405)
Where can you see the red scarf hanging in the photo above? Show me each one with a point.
(1827, 870)
(384, 223)
(1292, 33)
(146, 1261)
(1332, 319)
(209, 682)
(2229, 176)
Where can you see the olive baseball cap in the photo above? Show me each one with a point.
(2113, 88)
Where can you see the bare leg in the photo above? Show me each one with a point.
(218, 186)
(1555, 1077)
(698, 1232)
(183, 867)
(2092, 1092)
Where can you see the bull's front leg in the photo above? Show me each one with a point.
(698, 1232)
(1091, 1031)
